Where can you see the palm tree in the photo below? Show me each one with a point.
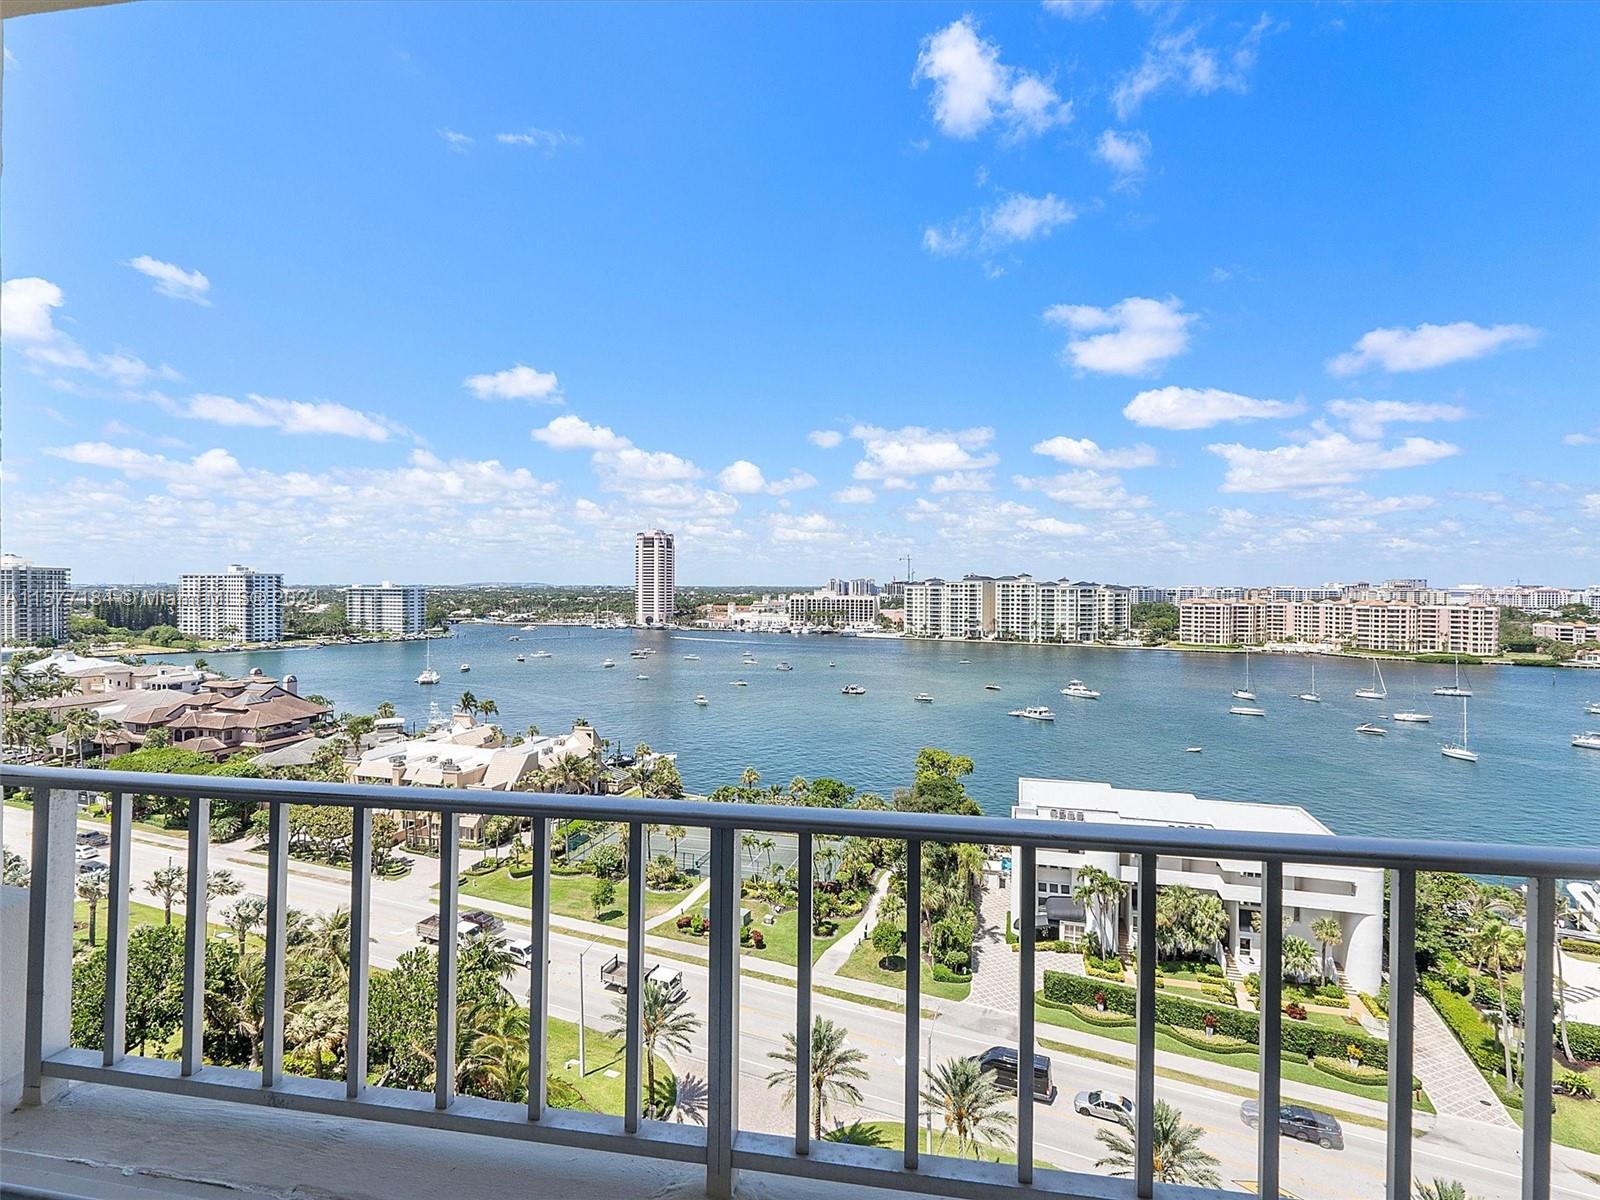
(107, 730)
(78, 727)
(222, 884)
(1100, 892)
(749, 777)
(833, 1066)
(488, 708)
(752, 845)
(92, 890)
(1440, 1189)
(1498, 946)
(675, 834)
(468, 703)
(384, 711)
(167, 884)
(1298, 957)
(244, 916)
(1178, 1157)
(662, 1022)
(1329, 933)
(498, 1051)
(318, 1028)
(967, 870)
(971, 1107)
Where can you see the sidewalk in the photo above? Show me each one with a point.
(1452, 1080)
(827, 966)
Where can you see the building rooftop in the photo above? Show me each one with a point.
(1135, 806)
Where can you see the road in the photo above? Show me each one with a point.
(1482, 1157)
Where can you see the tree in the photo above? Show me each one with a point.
(245, 914)
(663, 1023)
(79, 726)
(1100, 893)
(1329, 933)
(1177, 1153)
(488, 708)
(15, 872)
(749, 777)
(675, 834)
(886, 941)
(222, 884)
(1498, 946)
(834, 1067)
(1189, 921)
(1299, 958)
(468, 703)
(168, 885)
(968, 1103)
(384, 711)
(1440, 1189)
(92, 890)
(602, 897)
(317, 1028)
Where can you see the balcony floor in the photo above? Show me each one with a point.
(120, 1144)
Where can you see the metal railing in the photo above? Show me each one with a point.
(721, 1146)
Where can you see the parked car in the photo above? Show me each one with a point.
(614, 975)
(93, 837)
(473, 923)
(85, 853)
(1298, 1121)
(1108, 1106)
(521, 949)
(1001, 1062)
(93, 867)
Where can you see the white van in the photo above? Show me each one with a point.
(521, 949)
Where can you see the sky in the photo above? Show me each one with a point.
(1146, 293)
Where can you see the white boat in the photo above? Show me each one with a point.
(740, 683)
(1592, 709)
(783, 666)
(1078, 690)
(641, 677)
(1194, 749)
(1247, 710)
(1587, 741)
(691, 658)
(991, 687)
(543, 654)
(1459, 749)
(1369, 727)
(1412, 718)
(464, 668)
(1454, 689)
(608, 663)
(1034, 712)
(833, 664)
(1378, 690)
(965, 662)
(513, 638)
(852, 689)
(521, 658)
(1313, 696)
(429, 675)
(702, 701)
(1245, 693)
(923, 698)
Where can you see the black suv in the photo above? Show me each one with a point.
(1298, 1121)
(1001, 1062)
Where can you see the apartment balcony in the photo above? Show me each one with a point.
(111, 1123)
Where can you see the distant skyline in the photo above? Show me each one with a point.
(435, 293)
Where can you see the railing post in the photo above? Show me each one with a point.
(355, 1054)
(114, 1028)
(277, 937)
(538, 971)
(1402, 1029)
(722, 1026)
(1271, 1027)
(47, 1026)
(1538, 1037)
(444, 1046)
(802, 995)
(1027, 936)
(1144, 1060)
(913, 1030)
(633, 1044)
(196, 922)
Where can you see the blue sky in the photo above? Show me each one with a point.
(1155, 294)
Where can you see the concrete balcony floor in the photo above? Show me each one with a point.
(121, 1144)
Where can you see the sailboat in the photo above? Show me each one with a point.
(1377, 691)
(429, 675)
(1312, 697)
(1459, 749)
(1245, 693)
(1454, 689)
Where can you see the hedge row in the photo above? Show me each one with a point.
(1340, 1068)
(1466, 1023)
(1220, 1044)
(1298, 1037)
(1581, 948)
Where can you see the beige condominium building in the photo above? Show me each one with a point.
(654, 568)
(1392, 625)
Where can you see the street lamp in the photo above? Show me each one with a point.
(581, 1061)
(929, 1060)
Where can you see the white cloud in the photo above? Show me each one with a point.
(742, 478)
(210, 466)
(806, 527)
(1367, 418)
(963, 481)
(630, 465)
(1201, 408)
(1580, 439)
(855, 495)
(1082, 452)
(1075, 10)
(1054, 527)
(574, 433)
(1020, 218)
(826, 438)
(952, 239)
(972, 88)
(1131, 337)
(1591, 504)
(548, 140)
(173, 281)
(797, 481)
(1094, 490)
(655, 478)
(25, 310)
(1427, 346)
(896, 455)
(287, 416)
(1321, 462)
(1179, 60)
(1126, 153)
(516, 383)
(27, 321)
(459, 142)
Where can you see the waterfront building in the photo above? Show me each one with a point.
(958, 608)
(236, 604)
(1141, 594)
(33, 601)
(654, 565)
(386, 607)
(1018, 608)
(1571, 633)
(1529, 598)
(1392, 625)
(843, 602)
(1353, 896)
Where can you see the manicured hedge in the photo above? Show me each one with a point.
(1298, 1037)
(1585, 1040)
(1220, 1044)
(1581, 948)
(1340, 1068)
(1467, 1024)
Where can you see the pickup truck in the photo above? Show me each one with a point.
(473, 923)
(614, 975)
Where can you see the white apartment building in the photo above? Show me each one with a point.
(1572, 633)
(1396, 626)
(654, 594)
(843, 602)
(1351, 895)
(387, 607)
(955, 608)
(1141, 594)
(33, 601)
(238, 604)
(1529, 598)
(1018, 607)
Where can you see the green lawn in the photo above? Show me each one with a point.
(601, 1087)
(890, 1135)
(782, 937)
(138, 914)
(863, 964)
(569, 895)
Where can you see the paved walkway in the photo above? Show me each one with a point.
(996, 971)
(696, 894)
(1453, 1082)
(827, 966)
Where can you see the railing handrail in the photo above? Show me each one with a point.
(1489, 858)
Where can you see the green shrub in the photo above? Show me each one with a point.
(1471, 1030)
(1373, 1006)
(943, 974)
(1331, 991)
(1340, 1068)
(1585, 1040)
(1218, 1043)
(1581, 948)
(1486, 995)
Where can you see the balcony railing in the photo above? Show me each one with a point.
(721, 1146)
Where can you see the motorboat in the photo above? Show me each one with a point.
(608, 663)
(965, 662)
(783, 666)
(522, 658)
(1593, 709)
(1374, 730)
(1034, 712)
(1078, 690)
(641, 677)
(1459, 750)
(1378, 690)
(691, 658)
(991, 687)
(923, 698)
(740, 683)
(1194, 749)
(1245, 693)
(1587, 741)
(1455, 689)
(1313, 696)
(1247, 710)
(1412, 718)
(543, 654)
(464, 668)
(513, 638)
(852, 689)
(701, 701)
(833, 664)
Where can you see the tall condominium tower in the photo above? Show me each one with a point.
(33, 601)
(237, 603)
(386, 607)
(653, 598)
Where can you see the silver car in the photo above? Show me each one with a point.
(1108, 1106)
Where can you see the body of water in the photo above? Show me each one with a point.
(1530, 785)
